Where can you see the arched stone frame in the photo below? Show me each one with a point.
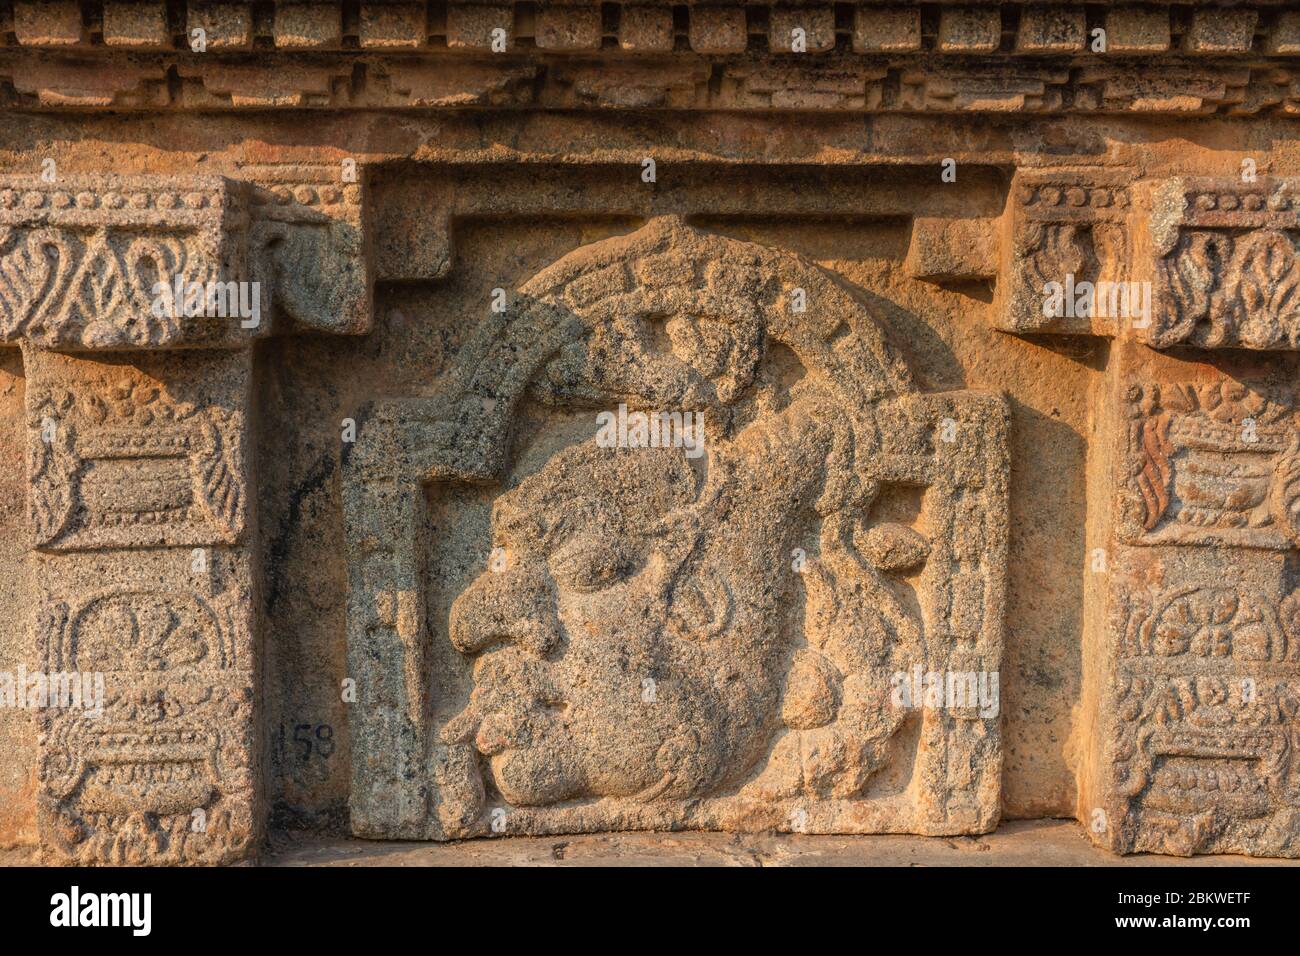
(952, 445)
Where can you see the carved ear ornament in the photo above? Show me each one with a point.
(701, 605)
(680, 530)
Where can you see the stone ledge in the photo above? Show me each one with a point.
(1018, 843)
(728, 26)
(830, 82)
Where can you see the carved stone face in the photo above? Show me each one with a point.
(585, 684)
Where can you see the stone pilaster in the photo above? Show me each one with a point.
(1197, 687)
(142, 513)
(141, 503)
(1198, 694)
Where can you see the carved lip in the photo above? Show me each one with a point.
(491, 733)
(164, 772)
(1227, 436)
(157, 442)
(1181, 742)
(1241, 787)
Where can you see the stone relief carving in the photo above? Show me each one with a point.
(1211, 464)
(1206, 705)
(1064, 227)
(309, 224)
(771, 686)
(79, 260)
(552, 635)
(1199, 713)
(129, 467)
(1225, 266)
(138, 484)
(127, 475)
(164, 774)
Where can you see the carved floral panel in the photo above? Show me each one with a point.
(1224, 264)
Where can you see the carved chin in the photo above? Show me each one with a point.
(533, 777)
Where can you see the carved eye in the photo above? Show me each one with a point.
(588, 563)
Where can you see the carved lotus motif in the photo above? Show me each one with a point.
(144, 631)
(1225, 290)
(1267, 289)
(1213, 622)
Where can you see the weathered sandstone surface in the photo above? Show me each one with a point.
(441, 420)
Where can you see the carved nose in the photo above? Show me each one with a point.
(513, 607)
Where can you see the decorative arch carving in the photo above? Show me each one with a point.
(813, 414)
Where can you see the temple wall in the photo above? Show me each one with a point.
(327, 561)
